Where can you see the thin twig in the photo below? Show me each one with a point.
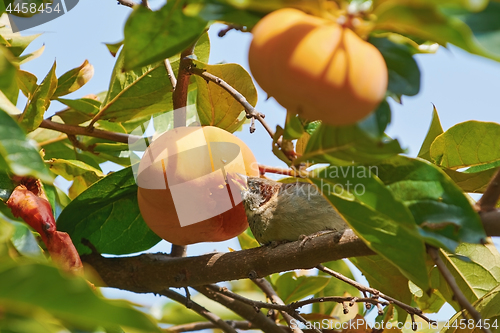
(230, 27)
(127, 3)
(170, 73)
(244, 310)
(145, 3)
(203, 325)
(96, 133)
(268, 289)
(56, 139)
(249, 109)
(457, 293)
(200, 310)
(491, 195)
(375, 293)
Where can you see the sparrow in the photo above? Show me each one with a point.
(280, 212)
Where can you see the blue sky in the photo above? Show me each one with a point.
(462, 86)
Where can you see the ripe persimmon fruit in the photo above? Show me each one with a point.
(183, 194)
(317, 68)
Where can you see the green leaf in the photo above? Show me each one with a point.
(74, 79)
(82, 174)
(345, 144)
(294, 126)
(246, 239)
(7, 186)
(107, 214)
(434, 131)
(385, 277)
(426, 21)
(489, 308)
(8, 71)
(291, 287)
(224, 12)
(335, 287)
(475, 277)
(25, 243)
(404, 74)
(114, 48)
(7, 106)
(151, 36)
(472, 182)
(17, 154)
(216, 107)
(140, 93)
(375, 124)
(80, 110)
(442, 211)
(427, 303)
(27, 83)
(32, 116)
(15, 42)
(486, 27)
(377, 217)
(67, 298)
(467, 144)
(30, 56)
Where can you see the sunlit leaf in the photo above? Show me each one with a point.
(434, 130)
(112, 221)
(67, 298)
(144, 91)
(344, 145)
(17, 154)
(151, 36)
(27, 83)
(32, 116)
(379, 219)
(74, 79)
(216, 107)
(467, 144)
(384, 276)
(442, 211)
(291, 287)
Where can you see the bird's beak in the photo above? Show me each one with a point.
(239, 180)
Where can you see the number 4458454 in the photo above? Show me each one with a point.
(471, 324)
(32, 8)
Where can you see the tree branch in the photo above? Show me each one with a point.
(411, 310)
(179, 96)
(491, 195)
(214, 319)
(457, 293)
(157, 272)
(96, 133)
(249, 109)
(245, 311)
(267, 288)
(203, 325)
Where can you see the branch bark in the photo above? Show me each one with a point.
(248, 312)
(457, 293)
(96, 133)
(157, 272)
(491, 195)
(214, 319)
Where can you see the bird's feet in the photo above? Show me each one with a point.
(305, 238)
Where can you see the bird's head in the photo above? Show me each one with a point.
(255, 191)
